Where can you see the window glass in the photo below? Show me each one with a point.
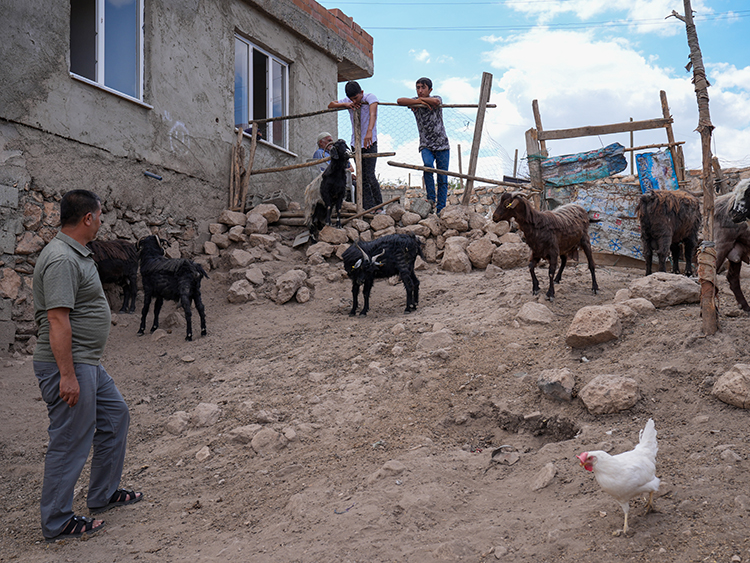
(278, 101)
(241, 82)
(106, 40)
(121, 51)
(260, 91)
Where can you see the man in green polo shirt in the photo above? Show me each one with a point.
(83, 403)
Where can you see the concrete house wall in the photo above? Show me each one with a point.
(59, 133)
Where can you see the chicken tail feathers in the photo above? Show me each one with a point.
(647, 439)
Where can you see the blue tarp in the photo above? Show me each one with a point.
(583, 167)
(656, 171)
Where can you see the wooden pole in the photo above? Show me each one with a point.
(720, 183)
(455, 174)
(249, 170)
(484, 97)
(460, 167)
(534, 155)
(313, 163)
(515, 164)
(538, 122)
(679, 165)
(632, 153)
(366, 211)
(707, 251)
(357, 119)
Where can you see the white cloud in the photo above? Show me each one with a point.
(588, 82)
(422, 56)
(648, 16)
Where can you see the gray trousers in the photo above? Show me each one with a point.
(101, 418)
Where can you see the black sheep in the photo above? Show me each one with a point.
(667, 219)
(175, 279)
(382, 258)
(732, 237)
(550, 235)
(117, 262)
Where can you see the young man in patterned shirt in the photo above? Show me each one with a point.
(433, 141)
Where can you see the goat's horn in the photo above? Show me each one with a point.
(364, 254)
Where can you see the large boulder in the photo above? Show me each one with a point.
(480, 252)
(511, 255)
(381, 221)
(232, 218)
(733, 387)
(609, 394)
(269, 212)
(455, 258)
(455, 217)
(535, 313)
(664, 290)
(333, 235)
(288, 284)
(557, 383)
(593, 325)
(256, 223)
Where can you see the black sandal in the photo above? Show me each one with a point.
(76, 527)
(121, 497)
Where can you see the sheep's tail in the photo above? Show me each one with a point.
(647, 439)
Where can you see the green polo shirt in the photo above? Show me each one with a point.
(65, 275)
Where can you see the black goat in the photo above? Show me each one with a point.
(732, 236)
(669, 218)
(333, 185)
(382, 258)
(175, 279)
(117, 262)
(549, 234)
(327, 191)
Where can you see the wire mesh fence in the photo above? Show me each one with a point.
(397, 132)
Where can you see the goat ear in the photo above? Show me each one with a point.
(357, 264)
(514, 203)
(333, 152)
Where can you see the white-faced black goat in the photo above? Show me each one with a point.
(382, 258)
(732, 236)
(175, 279)
(117, 262)
(549, 234)
(321, 196)
(667, 219)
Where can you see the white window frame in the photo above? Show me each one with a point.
(282, 143)
(100, 57)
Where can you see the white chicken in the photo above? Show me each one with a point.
(629, 474)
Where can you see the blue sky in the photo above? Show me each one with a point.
(587, 62)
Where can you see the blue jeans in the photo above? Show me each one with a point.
(440, 160)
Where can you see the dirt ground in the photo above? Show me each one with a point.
(390, 456)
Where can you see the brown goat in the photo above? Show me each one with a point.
(549, 234)
(732, 244)
(667, 219)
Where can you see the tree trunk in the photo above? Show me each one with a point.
(707, 251)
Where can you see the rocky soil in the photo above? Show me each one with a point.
(310, 436)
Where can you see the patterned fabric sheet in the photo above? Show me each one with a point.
(614, 229)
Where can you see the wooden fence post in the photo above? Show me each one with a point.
(484, 97)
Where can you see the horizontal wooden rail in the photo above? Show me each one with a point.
(593, 130)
